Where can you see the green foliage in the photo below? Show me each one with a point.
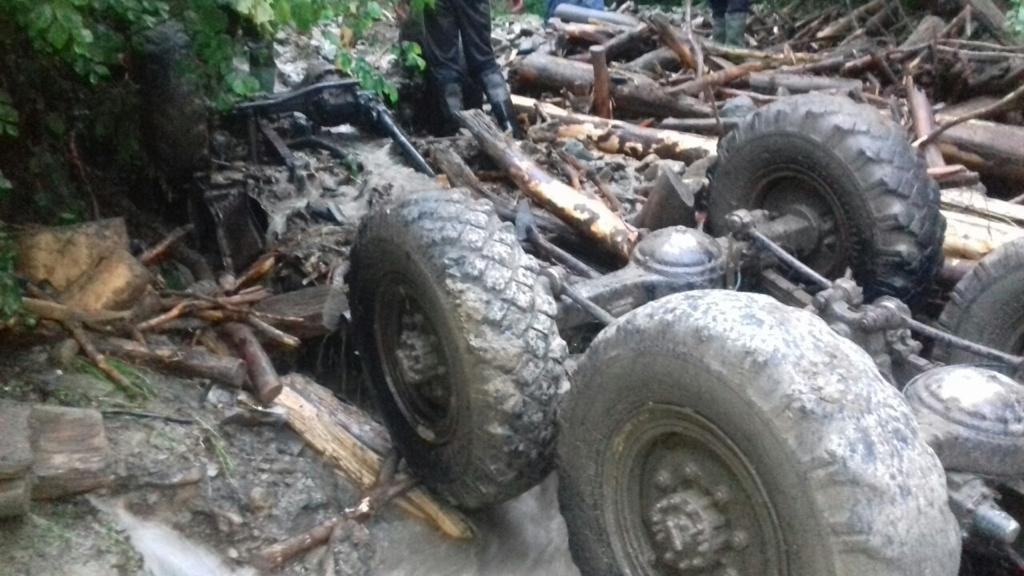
(1016, 17)
(94, 37)
(10, 292)
(8, 116)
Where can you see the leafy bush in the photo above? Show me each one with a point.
(1016, 16)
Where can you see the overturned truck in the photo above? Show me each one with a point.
(750, 399)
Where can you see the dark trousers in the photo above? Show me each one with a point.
(454, 24)
(720, 7)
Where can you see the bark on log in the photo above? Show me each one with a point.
(973, 201)
(325, 423)
(771, 82)
(70, 451)
(929, 29)
(715, 79)
(573, 13)
(986, 147)
(186, 361)
(992, 17)
(659, 59)
(638, 141)
(700, 125)
(304, 307)
(262, 374)
(631, 92)
(601, 101)
(577, 33)
(587, 215)
(672, 40)
(924, 122)
(627, 42)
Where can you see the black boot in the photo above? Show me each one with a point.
(501, 103)
(451, 105)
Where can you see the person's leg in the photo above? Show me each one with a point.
(718, 10)
(475, 23)
(441, 51)
(736, 22)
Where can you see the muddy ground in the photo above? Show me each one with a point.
(202, 482)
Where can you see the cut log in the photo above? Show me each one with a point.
(187, 361)
(601, 101)
(326, 424)
(771, 82)
(587, 215)
(986, 147)
(304, 308)
(638, 141)
(632, 92)
(262, 374)
(70, 451)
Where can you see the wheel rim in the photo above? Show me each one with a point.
(792, 190)
(685, 501)
(415, 361)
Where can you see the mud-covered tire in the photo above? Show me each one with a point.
(885, 207)
(493, 324)
(174, 115)
(835, 449)
(987, 306)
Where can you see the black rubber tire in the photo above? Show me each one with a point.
(987, 306)
(854, 487)
(174, 114)
(482, 294)
(890, 222)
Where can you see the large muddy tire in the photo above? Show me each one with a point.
(987, 306)
(717, 432)
(174, 114)
(854, 171)
(460, 341)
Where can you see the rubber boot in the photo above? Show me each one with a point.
(718, 30)
(451, 105)
(736, 28)
(501, 103)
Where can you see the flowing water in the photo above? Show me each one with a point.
(523, 537)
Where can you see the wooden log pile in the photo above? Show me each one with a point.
(660, 87)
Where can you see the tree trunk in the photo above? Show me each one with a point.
(262, 374)
(986, 147)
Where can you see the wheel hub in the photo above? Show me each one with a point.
(416, 366)
(690, 533)
(687, 501)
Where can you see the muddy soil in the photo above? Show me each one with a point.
(201, 484)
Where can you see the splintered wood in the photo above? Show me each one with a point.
(356, 445)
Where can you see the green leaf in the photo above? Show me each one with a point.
(40, 18)
(57, 35)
